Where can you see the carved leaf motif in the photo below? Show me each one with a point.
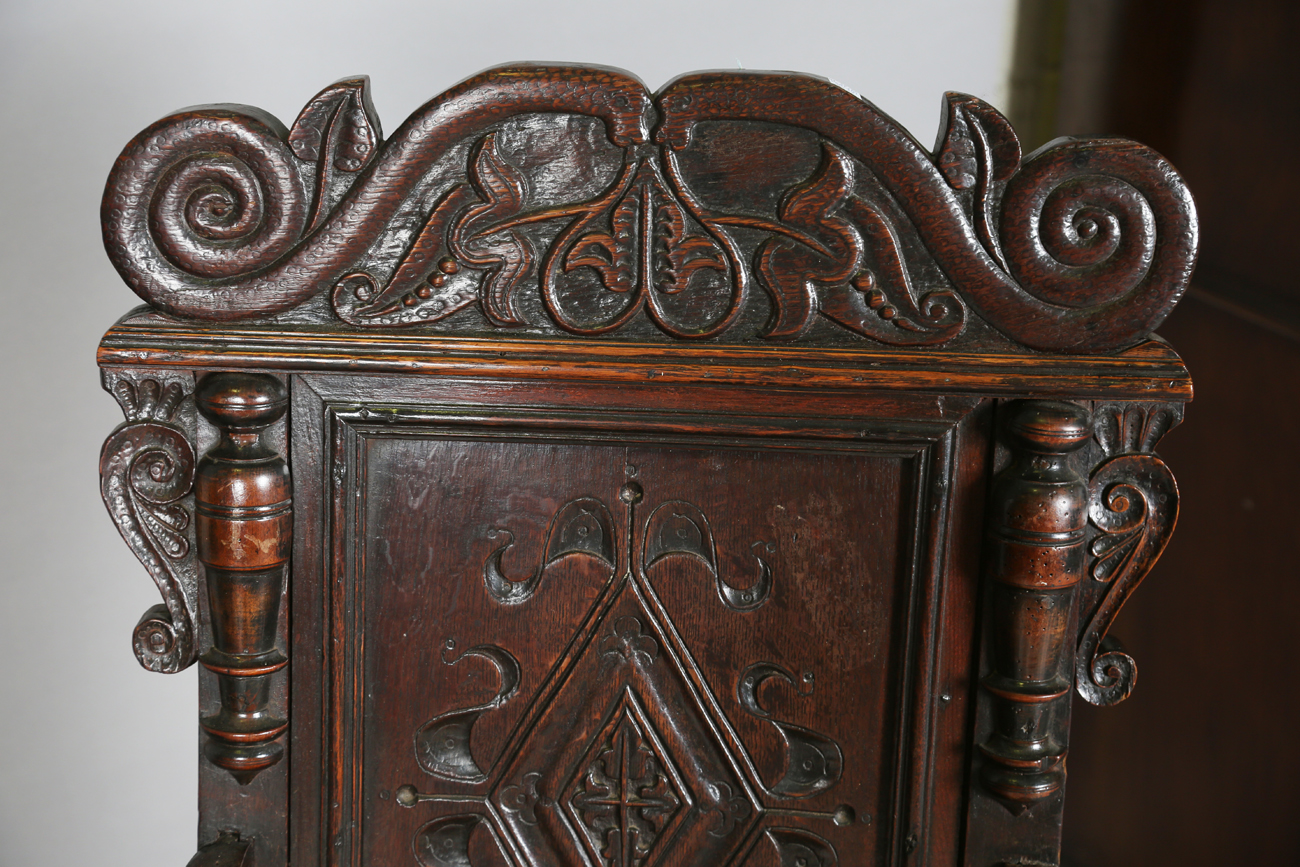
(582, 526)
(445, 842)
(977, 139)
(819, 262)
(678, 527)
(442, 745)
(426, 285)
(799, 848)
(651, 252)
(612, 256)
(477, 239)
(338, 124)
(831, 252)
(814, 762)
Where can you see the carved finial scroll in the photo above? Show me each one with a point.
(221, 213)
(146, 475)
(1133, 502)
(243, 500)
(1038, 520)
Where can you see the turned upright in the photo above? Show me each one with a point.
(586, 477)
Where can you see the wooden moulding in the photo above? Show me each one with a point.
(1150, 370)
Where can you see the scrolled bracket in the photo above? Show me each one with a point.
(146, 479)
(1133, 503)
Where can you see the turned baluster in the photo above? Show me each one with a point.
(1038, 518)
(243, 506)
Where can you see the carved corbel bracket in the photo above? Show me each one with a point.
(1133, 502)
(146, 473)
(244, 526)
(1038, 512)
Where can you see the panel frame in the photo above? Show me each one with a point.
(336, 415)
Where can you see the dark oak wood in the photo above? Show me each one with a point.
(244, 529)
(712, 477)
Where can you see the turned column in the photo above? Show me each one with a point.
(243, 524)
(1038, 518)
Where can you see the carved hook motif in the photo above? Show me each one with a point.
(581, 526)
(442, 745)
(814, 762)
(678, 527)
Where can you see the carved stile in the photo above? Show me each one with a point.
(244, 529)
(1038, 514)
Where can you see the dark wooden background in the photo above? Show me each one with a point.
(1199, 766)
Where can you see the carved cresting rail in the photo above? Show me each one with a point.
(218, 213)
(787, 227)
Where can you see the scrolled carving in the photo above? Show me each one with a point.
(1133, 502)
(220, 213)
(228, 195)
(146, 472)
(814, 762)
(1104, 303)
(678, 527)
(581, 526)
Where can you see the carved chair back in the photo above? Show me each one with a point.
(581, 476)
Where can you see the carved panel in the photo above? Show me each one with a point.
(1084, 247)
(600, 724)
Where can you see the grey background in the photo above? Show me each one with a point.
(98, 757)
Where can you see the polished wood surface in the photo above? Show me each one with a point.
(593, 477)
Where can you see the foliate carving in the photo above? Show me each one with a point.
(219, 213)
(581, 526)
(1133, 502)
(146, 476)
(442, 745)
(628, 643)
(678, 527)
(625, 794)
(814, 762)
(523, 799)
(585, 526)
(819, 263)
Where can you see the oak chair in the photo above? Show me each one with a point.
(583, 477)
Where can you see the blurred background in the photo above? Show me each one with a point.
(98, 759)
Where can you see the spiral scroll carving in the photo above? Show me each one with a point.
(146, 471)
(1133, 502)
(204, 212)
(221, 213)
(1078, 222)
